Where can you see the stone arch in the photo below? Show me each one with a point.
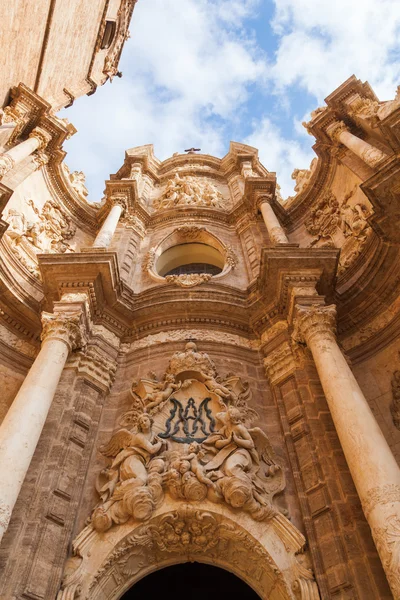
(190, 235)
(263, 554)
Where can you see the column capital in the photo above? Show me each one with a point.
(119, 201)
(263, 198)
(67, 327)
(335, 129)
(41, 135)
(312, 321)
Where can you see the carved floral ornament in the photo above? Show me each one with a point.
(184, 235)
(187, 477)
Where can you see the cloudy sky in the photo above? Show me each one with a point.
(204, 72)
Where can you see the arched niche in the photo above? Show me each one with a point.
(263, 554)
(185, 245)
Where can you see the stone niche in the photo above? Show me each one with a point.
(189, 477)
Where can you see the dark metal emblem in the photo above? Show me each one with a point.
(189, 424)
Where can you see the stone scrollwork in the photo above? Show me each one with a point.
(341, 224)
(191, 440)
(189, 191)
(49, 233)
(188, 279)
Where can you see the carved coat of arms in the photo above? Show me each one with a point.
(188, 436)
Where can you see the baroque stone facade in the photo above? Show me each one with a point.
(197, 370)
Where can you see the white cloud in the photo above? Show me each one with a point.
(322, 43)
(279, 154)
(191, 65)
(187, 60)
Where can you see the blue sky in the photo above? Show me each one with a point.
(204, 72)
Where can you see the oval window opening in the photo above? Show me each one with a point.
(190, 258)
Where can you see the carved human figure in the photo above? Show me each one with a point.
(161, 392)
(130, 491)
(302, 176)
(17, 225)
(243, 461)
(218, 388)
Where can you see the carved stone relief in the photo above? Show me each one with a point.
(271, 560)
(48, 233)
(341, 224)
(302, 177)
(77, 181)
(189, 191)
(191, 439)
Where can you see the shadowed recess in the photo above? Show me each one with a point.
(192, 581)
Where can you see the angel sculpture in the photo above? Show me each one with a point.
(134, 486)
(162, 391)
(243, 465)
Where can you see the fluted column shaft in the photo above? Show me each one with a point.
(368, 153)
(106, 233)
(274, 228)
(20, 431)
(373, 467)
(38, 138)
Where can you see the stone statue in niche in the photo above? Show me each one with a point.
(189, 191)
(302, 177)
(191, 439)
(77, 180)
(342, 224)
(47, 234)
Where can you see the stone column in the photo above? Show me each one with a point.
(338, 132)
(373, 467)
(275, 230)
(23, 424)
(106, 233)
(38, 139)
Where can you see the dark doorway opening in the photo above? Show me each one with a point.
(191, 581)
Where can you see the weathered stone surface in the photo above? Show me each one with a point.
(199, 410)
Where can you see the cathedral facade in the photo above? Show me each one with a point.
(196, 370)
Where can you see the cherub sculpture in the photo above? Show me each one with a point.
(243, 465)
(134, 478)
(162, 391)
